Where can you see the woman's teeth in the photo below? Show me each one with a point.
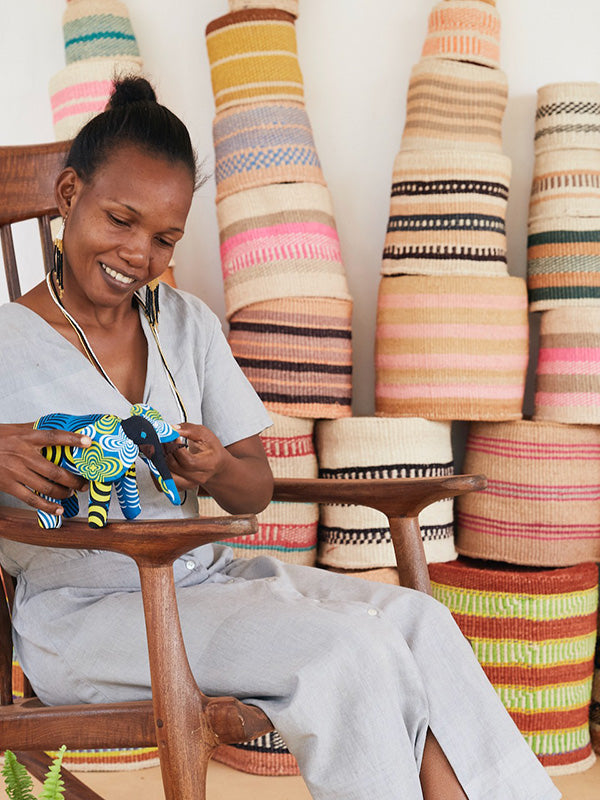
(116, 275)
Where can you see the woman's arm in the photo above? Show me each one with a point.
(237, 476)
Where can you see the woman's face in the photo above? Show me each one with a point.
(122, 225)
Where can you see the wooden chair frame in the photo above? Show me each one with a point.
(185, 724)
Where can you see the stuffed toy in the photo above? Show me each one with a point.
(110, 460)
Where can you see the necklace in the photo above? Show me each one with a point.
(92, 357)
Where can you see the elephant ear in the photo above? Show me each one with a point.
(165, 432)
(141, 431)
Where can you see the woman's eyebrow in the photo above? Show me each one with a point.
(137, 213)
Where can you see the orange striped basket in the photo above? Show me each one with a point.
(464, 30)
(595, 706)
(567, 116)
(534, 633)
(566, 183)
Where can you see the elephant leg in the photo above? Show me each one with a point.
(71, 506)
(127, 492)
(99, 503)
(46, 520)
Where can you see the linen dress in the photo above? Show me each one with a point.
(352, 673)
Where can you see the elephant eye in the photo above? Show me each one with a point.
(143, 434)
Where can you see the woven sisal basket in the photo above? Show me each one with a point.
(464, 30)
(447, 214)
(291, 6)
(451, 348)
(542, 503)
(357, 537)
(533, 632)
(567, 116)
(98, 29)
(567, 387)
(566, 183)
(452, 104)
(297, 353)
(279, 241)
(253, 58)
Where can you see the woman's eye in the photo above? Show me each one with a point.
(164, 243)
(116, 220)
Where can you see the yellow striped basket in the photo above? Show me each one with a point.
(279, 241)
(567, 385)
(534, 633)
(542, 502)
(567, 116)
(566, 183)
(447, 214)
(98, 29)
(356, 537)
(297, 353)
(451, 348)
(595, 705)
(253, 58)
(453, 104)
(464, 30)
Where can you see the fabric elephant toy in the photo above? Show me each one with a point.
(110, 459)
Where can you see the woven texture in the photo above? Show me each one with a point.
(262, 144)
(253, 57)
(465, 30)
(98, 29)
(291, 6)
(287, 531)
(541, 506)
(266, 755)
(451, 104)
(595, 705)
(297, 353)
(451, 348)
(563, 262)
(355, 537)
(279, 241)
(533, 632)
(447, 214)
(566, 183)
(82, 89)
(567, 387)
(567, 116)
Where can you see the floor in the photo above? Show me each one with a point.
(225, 783)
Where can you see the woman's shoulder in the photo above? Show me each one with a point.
(184, 305)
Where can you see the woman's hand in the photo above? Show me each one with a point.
(24, 470)
(238, 476)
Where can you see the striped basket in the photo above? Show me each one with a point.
(567, 116)
(567, 385)
(291, 6)
(447, 214)
(452, 104)
(357, 537)
(253, 58)
(566, 183)
(267, 755)
(533, 632)
(287, 531)
(542, 503)
(563, 262)
(98, 29)
(82, 89)
(297, 353)
(464, 30)
(451, 348)
(261, 144)
(279, 241)
(595, 706)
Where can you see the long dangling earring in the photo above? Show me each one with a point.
(151, 307)
(58, 258)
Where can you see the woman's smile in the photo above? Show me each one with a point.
(118, 277)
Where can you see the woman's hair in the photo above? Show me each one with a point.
(132, 117)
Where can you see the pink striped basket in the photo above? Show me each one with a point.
(542, 502)
(464, 30)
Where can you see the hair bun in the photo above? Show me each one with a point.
(131, 89)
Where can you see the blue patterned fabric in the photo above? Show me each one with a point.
(110, 460)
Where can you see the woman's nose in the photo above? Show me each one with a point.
(136, 251)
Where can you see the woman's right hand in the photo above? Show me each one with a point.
(24, 470)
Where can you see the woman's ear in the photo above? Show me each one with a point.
(65, 189)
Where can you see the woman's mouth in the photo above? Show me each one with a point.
(117, 276)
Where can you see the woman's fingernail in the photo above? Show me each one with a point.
(59, 511)
(86, 441)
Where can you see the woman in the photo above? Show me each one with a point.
(361, 679)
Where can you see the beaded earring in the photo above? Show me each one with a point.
(58, 257)
(151, 307)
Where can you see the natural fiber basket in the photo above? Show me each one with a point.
(566, 183)
(567, 387)
(567, 116)
(261, 144)
(452, 104)
(291, 6)
(357, 537)
(253, 58)
(563, 262)
(533, 632)
(451, 348)
(447, 214)
(541, 506)
(595, 705)
(98, 29)
(297, 353)
(464, 30)
(279, 241)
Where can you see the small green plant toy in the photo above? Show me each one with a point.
(18, 783)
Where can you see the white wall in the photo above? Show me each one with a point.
(356, 56)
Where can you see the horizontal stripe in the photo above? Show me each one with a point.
(574, 396)
(91, 107)
(478, 299)
(533, 451)
(450, 186)
(552, 367)
(275, 397)
(465, 390)
(562, 236)
(435, 253)
(464, 361)
(78, 90)
(539, 531)
(530, 633)
(291, 330)
(433, 331)
(559, 493)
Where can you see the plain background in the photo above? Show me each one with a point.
(356, 57)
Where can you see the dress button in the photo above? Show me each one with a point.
(190, 564)
(372, 612)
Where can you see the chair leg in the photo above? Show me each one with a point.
(37, 763)
(410, 554)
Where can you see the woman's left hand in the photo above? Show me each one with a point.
(201, 459)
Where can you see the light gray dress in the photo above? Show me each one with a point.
(352, 673)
